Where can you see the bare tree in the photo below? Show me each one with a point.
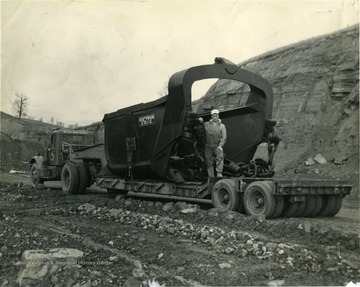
(52, 120)
(20, 105)
(60, 124)
(73, 126)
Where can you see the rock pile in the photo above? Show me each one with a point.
(38, 265)
(229, 242)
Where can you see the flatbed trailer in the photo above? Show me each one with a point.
(270, 197)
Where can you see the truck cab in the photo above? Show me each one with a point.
(61, 145)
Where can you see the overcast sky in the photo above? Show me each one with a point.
(77, 60)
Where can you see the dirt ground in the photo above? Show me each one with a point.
(128, 240)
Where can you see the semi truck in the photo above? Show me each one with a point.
(158, 148)
(60, 146)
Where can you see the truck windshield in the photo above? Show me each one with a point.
(80, 139)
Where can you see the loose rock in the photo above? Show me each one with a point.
(229, 250)
(86, 207)
(40, 264)
(319, 158)
(224, 265)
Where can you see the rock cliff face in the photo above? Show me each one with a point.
(316, 102)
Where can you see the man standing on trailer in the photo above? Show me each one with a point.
(215, 141)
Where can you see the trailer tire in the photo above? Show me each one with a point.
(331, 205)
(327, 206)
(70, 178)
(34, 175)
(280, 203)
(310, 206)
(83, 178)
(338, 204)
(290, 209)
(317, 207)
(300, 209)
(259, 200)
(224, 196)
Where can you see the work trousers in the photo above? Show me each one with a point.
(213, 153)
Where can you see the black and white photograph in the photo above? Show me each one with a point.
(158, 143)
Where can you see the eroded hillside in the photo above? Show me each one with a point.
(20, 139)
(316, 103)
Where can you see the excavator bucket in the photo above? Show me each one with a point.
(158, 139)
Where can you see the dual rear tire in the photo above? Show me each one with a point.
(257, 199)
(74, 178)
(224, 196)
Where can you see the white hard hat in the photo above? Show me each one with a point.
(214, 111)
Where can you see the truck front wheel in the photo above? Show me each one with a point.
(34, 175)
(224, 196)
(259, 200)
(70, 178)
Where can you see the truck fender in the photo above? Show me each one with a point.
(38, 159)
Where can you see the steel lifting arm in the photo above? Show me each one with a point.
(179, 102)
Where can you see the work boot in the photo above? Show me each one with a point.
(219, 174)
(210, 171)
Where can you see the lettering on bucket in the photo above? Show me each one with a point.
(147, 120)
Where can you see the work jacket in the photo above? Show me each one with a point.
(215, 133)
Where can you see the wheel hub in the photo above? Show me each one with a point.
(224, 197)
